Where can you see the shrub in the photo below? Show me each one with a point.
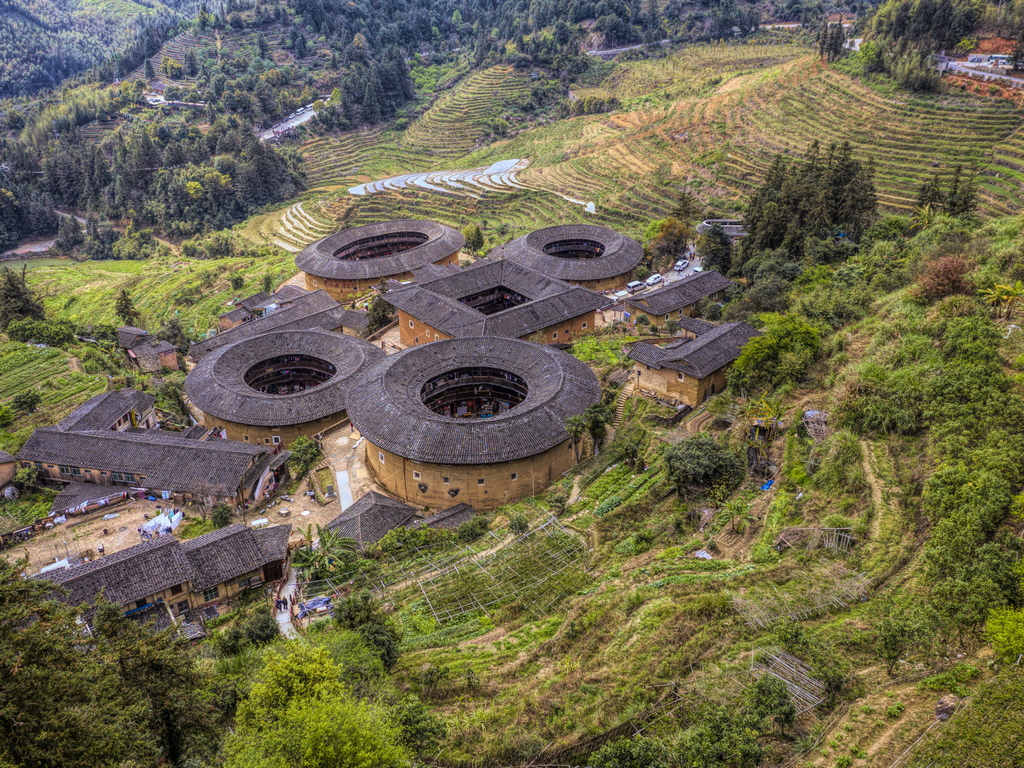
(781, 355)
(26, 401)
(946, 276)
(221, 515)
(473, 529)
(700, 462)
(1005, 631)
(637, 752)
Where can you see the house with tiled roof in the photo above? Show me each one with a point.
(145, 351)
(104, 443)
(374, 515)
(679, 299)
(120, 410)
(177, 577)
(688, 371)
(494, 298)
(293, 310)
(8, 466)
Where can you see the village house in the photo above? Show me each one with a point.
(146, 352)
(258, 305)
(8, 466)
(290, 309)
(176, 577)
(678, 299)
(494, 298)
(374, 515)
(689, 371)
(110, 441)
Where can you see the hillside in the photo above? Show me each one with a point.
(43, 42)
(707, 119)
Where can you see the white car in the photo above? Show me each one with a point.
(654, 279)
(681, 265)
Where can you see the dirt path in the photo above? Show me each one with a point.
(877, 498)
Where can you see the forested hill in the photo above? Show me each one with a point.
(43, 42)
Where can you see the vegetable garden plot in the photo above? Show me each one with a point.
(536, 572)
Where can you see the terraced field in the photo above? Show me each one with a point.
(454, 123)
(235, 44)
(709, 119)
(907, 137)
(291, 228)
(52, 373)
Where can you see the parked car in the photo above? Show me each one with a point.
(636, 285)
(654, 279)
(698, 269)
(681, 265)
(620, 295)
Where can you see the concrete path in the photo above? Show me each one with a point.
(344, 489)
(284, 618)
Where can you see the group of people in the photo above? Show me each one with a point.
(281, 604)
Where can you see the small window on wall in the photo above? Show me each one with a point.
(679, 376)
(480, 481)
(176, 589)
(380, 456)
(183, 606)
(415, 475)
(211, 594)
(445, 480)
(315, 283)
(554, 335)
(584, 326)
(277, 439)
(412, 324)
(246, 438)
(515, 475)
(266, 440)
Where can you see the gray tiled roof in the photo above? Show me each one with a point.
(230, 552)
(436, 302)
(388, 408)
(6, 458)
(167, 460)
(449, 518)
(75, 493)
(126, 576)
(621, 253)
(153, 566)
(372, 516)
(128, 334)
(246, 307)
(694, 325)
(217, 385)
(103, 411)
(698, 357)
(681, 293)
(310, 311)
(318, 259)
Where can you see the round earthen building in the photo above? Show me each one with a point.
(272, 388)
(354, 260)
(474, 420)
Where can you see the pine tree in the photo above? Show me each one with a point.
(125, 308)
(17, 301)
(474, 237)
(149, 71)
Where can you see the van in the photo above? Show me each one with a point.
(635, 285)
(654, 279)
(620, 295)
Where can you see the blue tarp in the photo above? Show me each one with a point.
(305, 609)
(768, 485)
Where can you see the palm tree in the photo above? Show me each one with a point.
(737, 513)
(576, 427)
(1014, 294)
(995, 297)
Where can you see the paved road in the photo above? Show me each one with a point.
(305, 115)
(960, 67)
(617, 51)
